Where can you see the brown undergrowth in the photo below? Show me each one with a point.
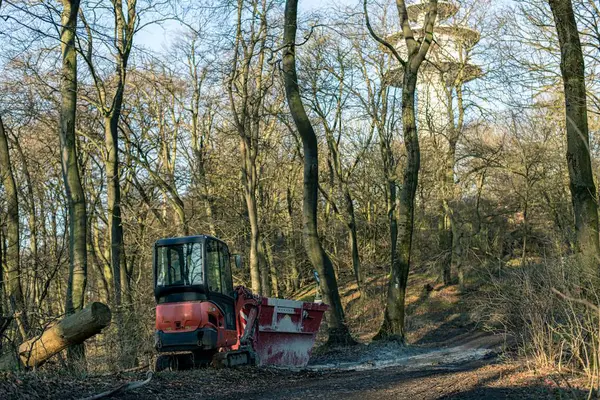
(435, 312)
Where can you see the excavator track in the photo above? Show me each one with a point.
(186, 361)
(183, 361)
(234, 358)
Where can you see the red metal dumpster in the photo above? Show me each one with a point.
(286, 331)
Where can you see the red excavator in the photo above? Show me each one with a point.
(202, 319)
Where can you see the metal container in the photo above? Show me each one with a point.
(286, 331)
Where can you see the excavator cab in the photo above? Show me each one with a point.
(193, 288)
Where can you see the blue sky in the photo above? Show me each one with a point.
(155, 37)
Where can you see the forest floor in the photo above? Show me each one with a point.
(449, 357)
(430, 375)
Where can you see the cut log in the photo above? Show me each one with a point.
(73, 329)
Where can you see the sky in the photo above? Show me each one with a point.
(155, 37)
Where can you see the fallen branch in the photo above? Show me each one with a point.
(135, 369)
(122, 388)
(125, 371)
(580, 301)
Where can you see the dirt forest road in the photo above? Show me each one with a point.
(466, 369)
(474, 380)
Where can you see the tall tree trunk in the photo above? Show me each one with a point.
(254, 239)
(393, 323)
(113, 195)
(394, 316)
(583, 190)
(290, 243)
(392, 223)
(124, 30)
(124, 309)
(102, 258)
(338, 331)
(70, 168)
(2, 262)
(447, 228)
(266, 282)
(249, 184)
(273, 275)
(353, 239)
(202, 179)
(246, 81)
(12, 266)
(32, 222)
(105, 293)
(199, 144)
(448, 238)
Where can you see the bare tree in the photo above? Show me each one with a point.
(202, 123)
(109, 101)
(12, 267)
(247, 89)
(379, 102)
(583, 189)
(70, 166)
(156, 109)
(393, 322)
(330, 77)
(338, 331)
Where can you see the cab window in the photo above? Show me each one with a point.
(179, 264)
(169, 266)
(213, 266)
(226, 280)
